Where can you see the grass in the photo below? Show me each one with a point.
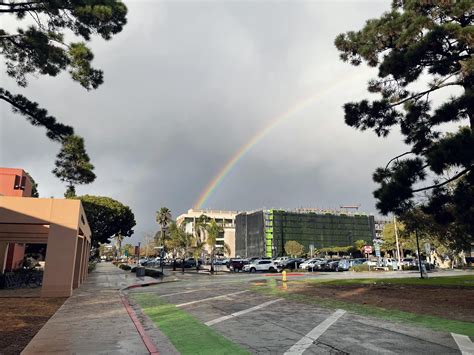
(427, 321)
(186, 333)
(465, 280)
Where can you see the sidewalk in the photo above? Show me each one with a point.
(94, 319)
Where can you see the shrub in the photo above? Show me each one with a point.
(409, 267)
(134, 269)
(360, 268)
(125, 267)
(91, 266)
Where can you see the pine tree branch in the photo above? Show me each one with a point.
(398, 156)
(56, 131)
(420, 94)
(458, 175)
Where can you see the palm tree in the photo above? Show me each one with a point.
(180, 241)
(198, 250)
(200, 237)
(213, 232)
(118, 240)
(163, 217)
(200, 227)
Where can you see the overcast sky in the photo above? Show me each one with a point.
(187, 84)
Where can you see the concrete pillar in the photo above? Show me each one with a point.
(88, 254)
(79, 263)
(3, 256)
(85, 260)
(60, 260)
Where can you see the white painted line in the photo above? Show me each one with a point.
(306, 341)
(179, 293)
(210, 298)
(236, 314)
(464, 343)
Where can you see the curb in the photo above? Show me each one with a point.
(147, 341)
(287, 274)
(151, 347)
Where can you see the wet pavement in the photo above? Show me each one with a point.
(93, 320)
(228, 305)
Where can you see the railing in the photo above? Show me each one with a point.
(21, 279)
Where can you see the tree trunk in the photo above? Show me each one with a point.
(212, 262)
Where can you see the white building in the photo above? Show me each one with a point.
(224, 218)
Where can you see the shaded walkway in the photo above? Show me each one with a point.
(93, 319)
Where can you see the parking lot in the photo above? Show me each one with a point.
(265, 324)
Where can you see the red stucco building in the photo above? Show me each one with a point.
(14, 182)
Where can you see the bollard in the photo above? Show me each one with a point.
(283, 274)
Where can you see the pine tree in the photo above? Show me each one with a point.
(73, 165)
(420, 42)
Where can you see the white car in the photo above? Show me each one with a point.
(308, 262)
(281, 259)
(260, 265)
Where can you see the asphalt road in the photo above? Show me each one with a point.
(268, 325)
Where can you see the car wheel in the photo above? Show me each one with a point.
(271, 269)
(252, 269)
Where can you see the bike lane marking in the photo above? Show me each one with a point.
(306, 341)
(210, 298)
(236, 314)
(464, 343)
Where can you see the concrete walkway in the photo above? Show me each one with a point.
(93, 320)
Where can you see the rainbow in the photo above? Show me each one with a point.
(245, 148)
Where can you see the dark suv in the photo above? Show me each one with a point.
(237, 264)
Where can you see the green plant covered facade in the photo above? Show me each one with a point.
(265, 232)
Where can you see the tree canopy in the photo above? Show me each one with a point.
(73, 165)
(107, 218)
(293, 248)
(38, 46)
(34, 186)
(416, 44)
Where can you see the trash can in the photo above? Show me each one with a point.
(140, 272)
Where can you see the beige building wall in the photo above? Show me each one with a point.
(59, 223)
(225, 218)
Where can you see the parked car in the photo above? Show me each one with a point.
(332, 265)
(220, 261)
(345, 264)
(280, 260)
(305, 264)
(236, 265)
(317, 265)
(291, 264)
(143, 261)
(260, 265)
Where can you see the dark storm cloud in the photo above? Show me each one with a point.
(187, 84)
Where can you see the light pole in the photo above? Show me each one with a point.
(419, 255)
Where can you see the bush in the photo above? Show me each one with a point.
(360, 268)
(409, 267)
(134, 269)
(125, 267)
(153, 273)
(91, 266)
